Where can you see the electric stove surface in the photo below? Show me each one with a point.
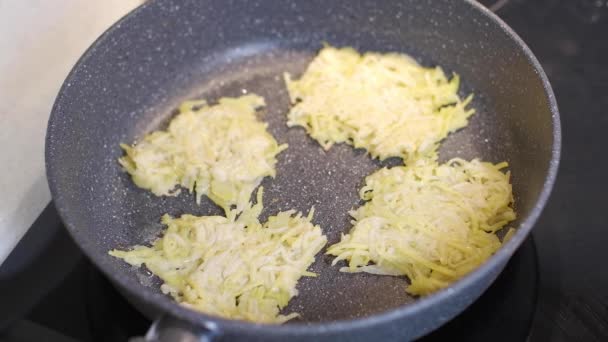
(555, 288)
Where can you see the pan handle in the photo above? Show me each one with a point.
(170, 329)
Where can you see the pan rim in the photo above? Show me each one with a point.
(498, 260)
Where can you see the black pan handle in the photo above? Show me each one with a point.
(170, 329)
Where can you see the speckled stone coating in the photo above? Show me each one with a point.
(131, 79)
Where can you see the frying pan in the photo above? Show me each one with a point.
(164, 52)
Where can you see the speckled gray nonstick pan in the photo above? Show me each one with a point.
(165, 52)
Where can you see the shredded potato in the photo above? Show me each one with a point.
(432, 223)
(385, 103)
(222, 151)
(235, 269)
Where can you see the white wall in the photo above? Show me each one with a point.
(40, 40)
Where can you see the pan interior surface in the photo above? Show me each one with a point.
(129, 83)
(306, 176)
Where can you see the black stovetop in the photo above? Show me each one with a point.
(555, 288)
